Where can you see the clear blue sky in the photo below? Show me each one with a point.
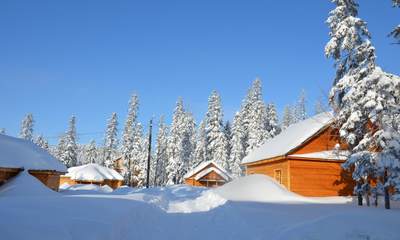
(59, 58)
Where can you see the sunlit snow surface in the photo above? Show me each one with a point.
(254, 207)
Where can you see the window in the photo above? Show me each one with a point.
(278, 175)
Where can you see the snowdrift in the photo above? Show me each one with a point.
(93, 172)
(25, 185)
(258, 188)
(84, 189)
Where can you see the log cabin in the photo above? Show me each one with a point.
(17, 155)
(92, 174)
(306, 158)
(207, 174)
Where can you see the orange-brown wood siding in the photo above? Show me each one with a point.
(319, 178)
(8, 173)
(269, 169)
(324, 141)
(48, 178)
(211, 179)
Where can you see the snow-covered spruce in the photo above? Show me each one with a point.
(27, 127)
(110, 141)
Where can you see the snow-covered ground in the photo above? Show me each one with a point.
(253, 207)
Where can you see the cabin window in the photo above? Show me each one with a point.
(278, 175)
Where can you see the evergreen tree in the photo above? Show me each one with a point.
(319, 107)
(60, 151)
(228, 136)
(27, 127)
(215, 137)
(300, 113)
(175, 145)
(70, 155)
(188, 144)
(42, 142)
(91, 153)
(200, 149)
(110, 141)
(287, 118)
(366, 101)
(273, 127)
(127, 147)
(161, 156)
(396, 31)
(237, 152)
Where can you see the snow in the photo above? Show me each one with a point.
(253, 207)
(258, 188)
(19, 153)
(202, 165)
(330, 155)
(24, 185)
(290, 138)
(84, 188)
(93, 172)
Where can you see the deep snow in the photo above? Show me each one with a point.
(93, 172)
(253, 207)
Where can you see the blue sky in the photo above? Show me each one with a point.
(59, 58)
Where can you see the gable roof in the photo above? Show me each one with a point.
(291, 138)
(20, 153)
(200, 172)
(93, 172)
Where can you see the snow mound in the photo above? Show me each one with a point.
(93, 172)
(85, 188)
(25, 185)
(258, 188)
(19, 153)
(205, 202)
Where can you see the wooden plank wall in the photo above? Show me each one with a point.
(324, 141)
(269, 169)
(320, 178)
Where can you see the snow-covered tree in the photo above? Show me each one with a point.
(228, 136)
(111, 141)
(128, 148)
(2, 131)
(300, 112)
(27, 127)
(273, 127)
(366, 101)
(91, 153)
(396, 31)
(180, 144)
(140, 173)
(70, 155)
(200, 149)
(215, 137)
(319, 107)
(42, 142)
(161, 156)
(287, 117)
(237, 150)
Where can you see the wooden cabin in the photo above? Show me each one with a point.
(92, 174)
(18, 155)
(306, 158)
(207, 174)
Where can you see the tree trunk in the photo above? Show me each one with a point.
(386, 190)
(359, 195)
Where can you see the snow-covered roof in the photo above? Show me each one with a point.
(206, 171)
(93, 172)
(290, 138)
(220, 170)
(330, 155)
(19, 153)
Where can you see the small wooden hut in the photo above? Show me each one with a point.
(17, 155)
(306, 158)
(207, 174)
(92, 174)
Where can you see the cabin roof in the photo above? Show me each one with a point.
(335, 155)
(200, 172)
(93, 172)
(24, 154)
(291, 138)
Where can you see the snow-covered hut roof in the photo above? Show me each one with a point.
(200, 172)
(19, 153)
(290, 138)
(93, 172)
(329, 155)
